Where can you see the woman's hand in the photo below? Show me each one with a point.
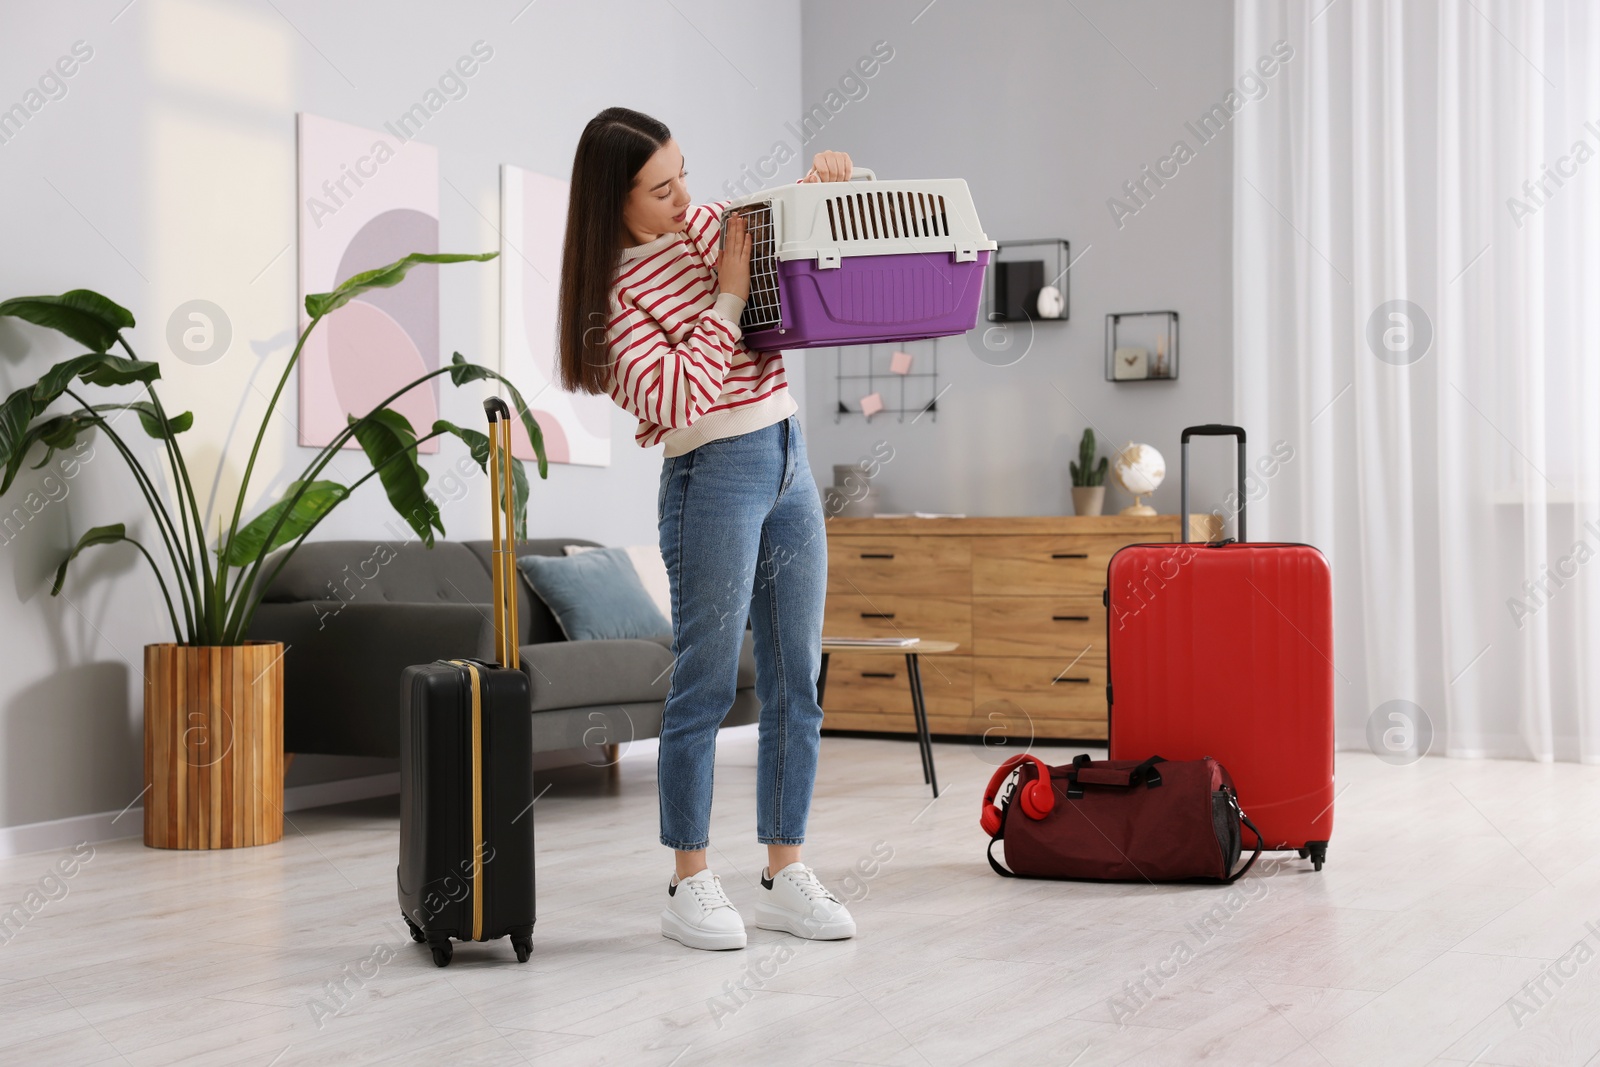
(829, 167)
(733, 266)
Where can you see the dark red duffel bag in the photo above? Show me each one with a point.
(1118, 820)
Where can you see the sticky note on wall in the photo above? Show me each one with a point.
(871, 404)
(900, 363)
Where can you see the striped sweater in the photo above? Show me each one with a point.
(678, 359)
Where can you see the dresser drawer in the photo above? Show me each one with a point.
(1037, 625)
(937, 566)
(1065, 565)
(1043, 688)
(931, 618)
(877, 683)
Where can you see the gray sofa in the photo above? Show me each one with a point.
(354, 614)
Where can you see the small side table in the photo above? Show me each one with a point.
(919, 710)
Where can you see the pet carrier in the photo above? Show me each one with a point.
(863, 262)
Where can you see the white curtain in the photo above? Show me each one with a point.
(1445, 450)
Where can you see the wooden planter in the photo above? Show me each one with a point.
(213, 745)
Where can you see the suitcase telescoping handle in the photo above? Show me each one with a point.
(1210, 429)
(502, 501)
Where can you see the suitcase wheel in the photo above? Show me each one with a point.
(416, 933)
(442, 954)
(1318, 851)
(524, 947)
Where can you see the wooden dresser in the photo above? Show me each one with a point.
(1022, 597)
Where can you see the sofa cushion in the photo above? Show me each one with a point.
(534, 619)
(595, 595)
(650, 567)
(406, 572)
(575, 674)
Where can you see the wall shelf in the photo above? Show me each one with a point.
(1152, 334)
(1057, 259)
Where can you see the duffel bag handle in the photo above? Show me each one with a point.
(1081, 774)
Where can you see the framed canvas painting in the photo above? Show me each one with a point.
(576, 426)
(366, 200)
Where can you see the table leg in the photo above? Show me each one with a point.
(920, 710)
(822, 679)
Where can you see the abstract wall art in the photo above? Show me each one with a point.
(366, 199)
(576, 426)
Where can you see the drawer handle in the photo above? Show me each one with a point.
(1077, 681)
(1069, 618)
(1069, 555)
(888, 674)
(877, 614)
(877, 555)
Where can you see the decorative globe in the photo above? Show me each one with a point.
(1138, 469)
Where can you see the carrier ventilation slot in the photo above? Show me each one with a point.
(873, 216)
(764, 309)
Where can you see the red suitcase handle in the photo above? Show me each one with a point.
(1210, 429)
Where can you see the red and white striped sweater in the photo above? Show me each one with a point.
(678, 359)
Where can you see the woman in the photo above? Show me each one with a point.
(650, 308)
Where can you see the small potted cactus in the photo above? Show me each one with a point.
(1088, 478)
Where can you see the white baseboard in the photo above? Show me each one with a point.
(110, 825)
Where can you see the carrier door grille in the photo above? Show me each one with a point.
(763, 310)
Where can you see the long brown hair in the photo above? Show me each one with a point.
(614, 147)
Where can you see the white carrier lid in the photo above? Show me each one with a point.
(827, 221)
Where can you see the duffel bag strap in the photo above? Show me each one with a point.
(989, 852)
(999, 835)
(1233, 800)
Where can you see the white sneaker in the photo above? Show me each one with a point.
(700, 915)
(793, 900)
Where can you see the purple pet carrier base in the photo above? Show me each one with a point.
(874, 300)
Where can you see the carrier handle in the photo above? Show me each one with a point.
(862, 174)
(1210, 429)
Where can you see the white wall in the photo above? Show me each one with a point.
(1046, 109)
(167, 172)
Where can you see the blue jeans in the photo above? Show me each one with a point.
(742, 534)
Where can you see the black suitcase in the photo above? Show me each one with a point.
(466, 770)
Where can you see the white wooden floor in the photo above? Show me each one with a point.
(1448, 927)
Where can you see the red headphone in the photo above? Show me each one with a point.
(1038, 796)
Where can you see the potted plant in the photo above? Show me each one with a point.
(1088, 478)
(213, 699)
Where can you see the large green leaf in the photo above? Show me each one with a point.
(250, 544)
(15, 415)
(387, 438)
(462, 372)
(475, 440)
(83, 315)
(96, 368)
(150, 418)
(319, 304)
(57, 432)
(62, 431)
(479, 444)
(100, 535)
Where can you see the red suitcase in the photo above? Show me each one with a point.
(1226, 650)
